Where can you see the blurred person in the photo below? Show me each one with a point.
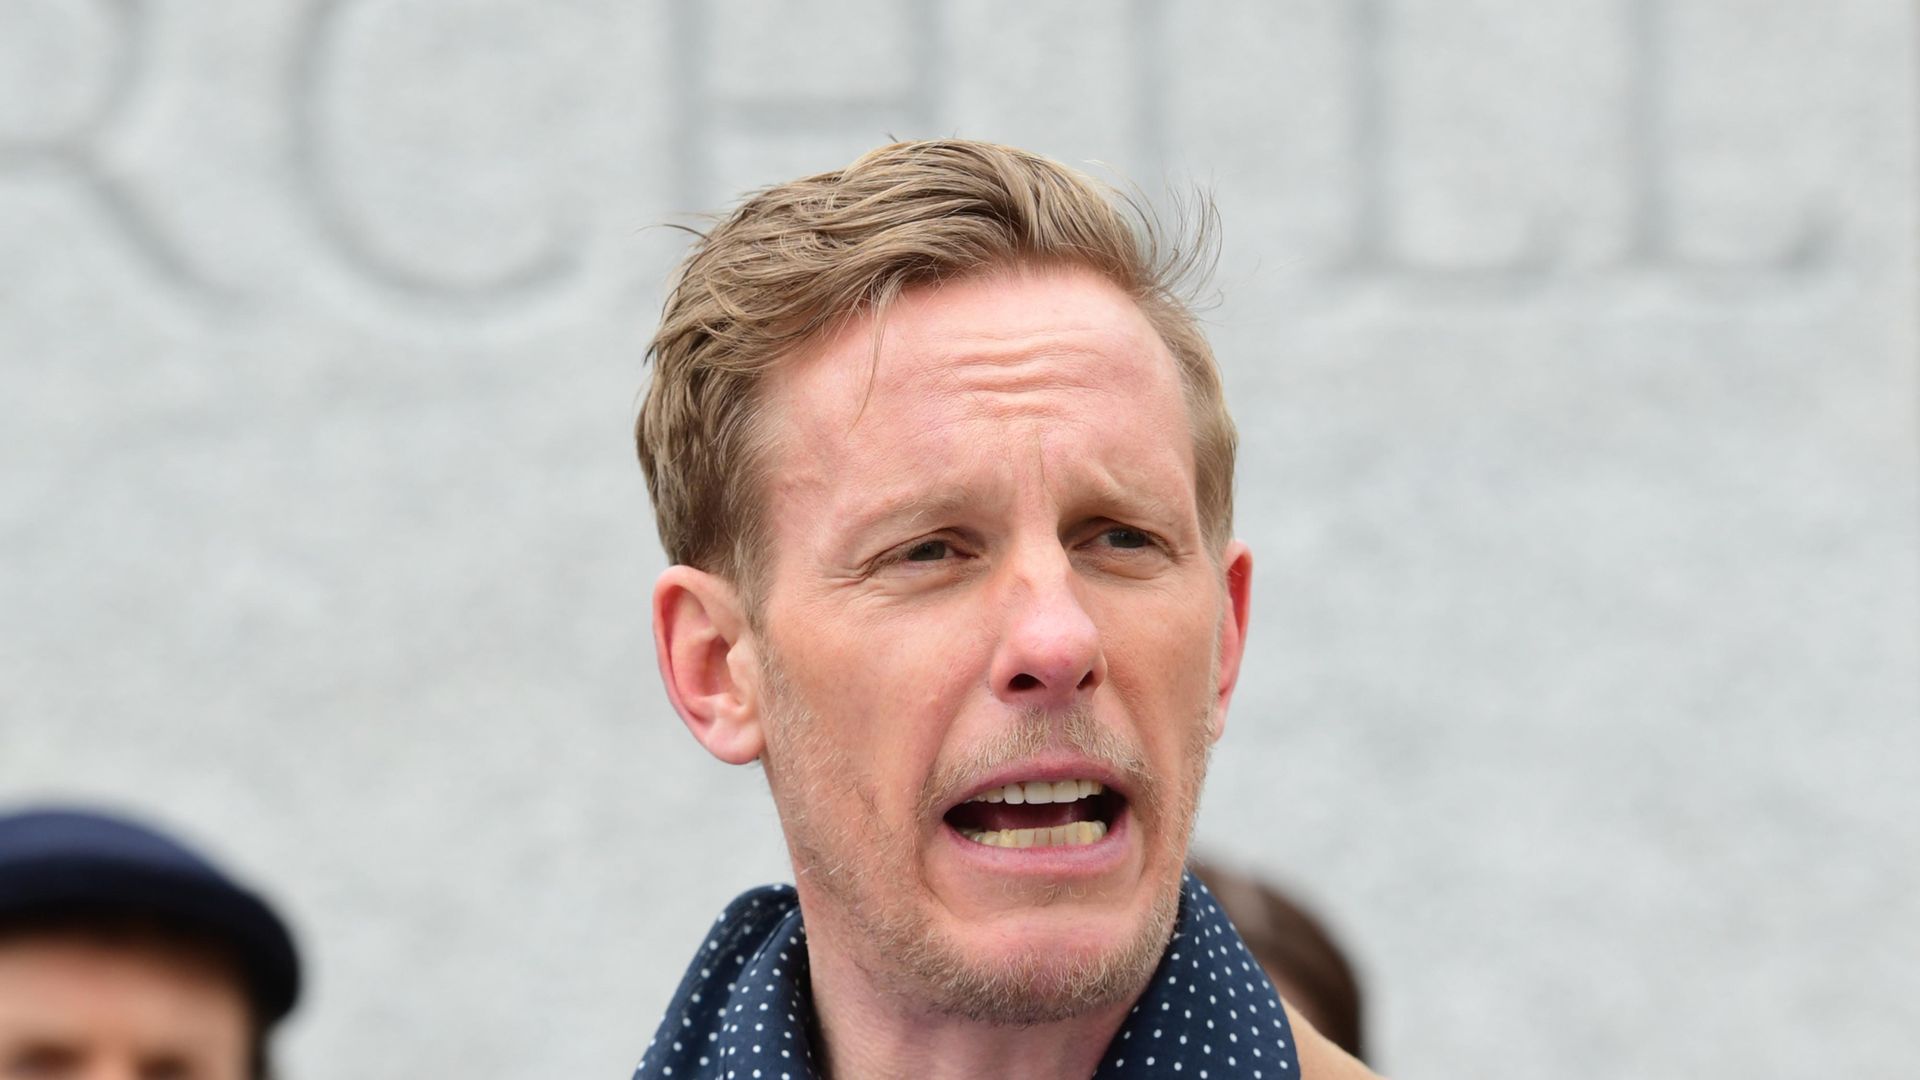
(1296, 951)
(125, 955)
(941, 461)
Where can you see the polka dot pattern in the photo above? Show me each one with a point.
(1209, 1013)
(743, 1011)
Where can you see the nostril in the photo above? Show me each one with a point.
(1086, 681)
(1023, 681)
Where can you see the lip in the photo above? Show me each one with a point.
(1046, 767)
(1077, 860)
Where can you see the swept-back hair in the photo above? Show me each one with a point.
(796, 261)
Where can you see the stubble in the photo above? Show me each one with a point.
(871, 873)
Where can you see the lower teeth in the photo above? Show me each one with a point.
(1080, 832)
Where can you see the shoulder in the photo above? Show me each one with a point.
(1320, 1059)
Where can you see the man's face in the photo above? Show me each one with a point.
(988, 581)
(75, 1008)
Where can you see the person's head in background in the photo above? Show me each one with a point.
(1298, 954)
(125, 955)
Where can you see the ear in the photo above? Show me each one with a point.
(707, 661)
(1237, 567)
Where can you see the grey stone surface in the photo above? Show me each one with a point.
(1573, 345)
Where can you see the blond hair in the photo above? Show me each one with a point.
(796, 261)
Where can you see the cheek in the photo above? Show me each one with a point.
(886, 695)
(1161, 661)
(1163, 627)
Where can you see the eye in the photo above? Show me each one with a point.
(928, 551)
(1122, 537)
(41, 1062)
(166, 1068)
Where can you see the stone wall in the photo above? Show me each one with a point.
(1573, 347)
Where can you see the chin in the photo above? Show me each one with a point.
(1038, 966)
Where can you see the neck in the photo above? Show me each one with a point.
(870, 1032)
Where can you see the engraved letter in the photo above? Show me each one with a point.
(78, 154)
(537, 272)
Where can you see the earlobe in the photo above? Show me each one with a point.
(700, 637)
(1237, 566)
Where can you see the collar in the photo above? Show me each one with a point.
(744, 1011)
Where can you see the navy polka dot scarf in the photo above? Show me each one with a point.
(743, 1011)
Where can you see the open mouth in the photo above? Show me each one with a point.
(1038, 813)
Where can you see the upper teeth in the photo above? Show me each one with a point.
(1041, 791)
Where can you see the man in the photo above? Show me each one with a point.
(126, 956)
(942, 466)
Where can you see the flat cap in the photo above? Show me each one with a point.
(61, 861)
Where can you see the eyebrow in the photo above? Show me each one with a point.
(1105, 498)
(1132, 501)
(910, 508)
(62, 1048)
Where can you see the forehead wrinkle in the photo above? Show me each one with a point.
(925, 496)
(1100, 487)
(1035, 364)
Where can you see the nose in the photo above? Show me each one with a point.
(1049, 655)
